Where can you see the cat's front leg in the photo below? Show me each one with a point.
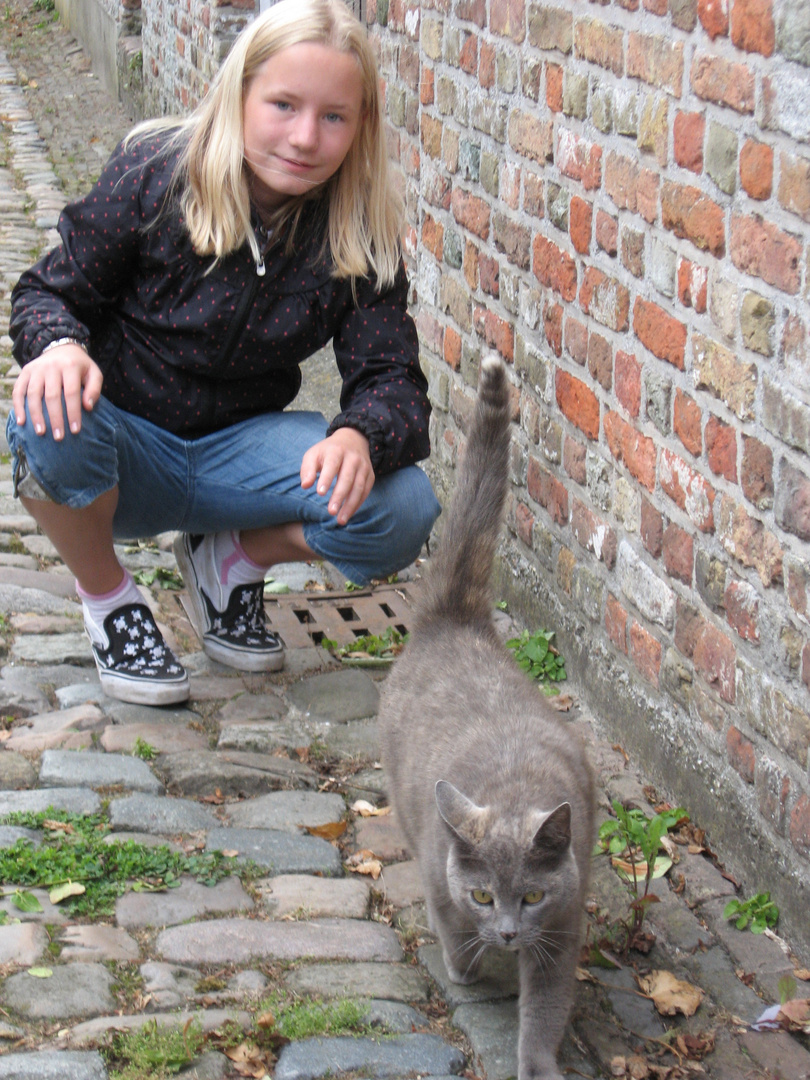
(461, 948)
(546, 993)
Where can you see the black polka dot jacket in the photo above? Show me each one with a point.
(195, 349)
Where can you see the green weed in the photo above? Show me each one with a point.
(536, 655)
(383, 646)
(758, 913)
(153, 1052)
(144, 750)
(73, 850)
(159, 577)
(304, 1019)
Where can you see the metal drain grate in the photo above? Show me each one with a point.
(305, 619)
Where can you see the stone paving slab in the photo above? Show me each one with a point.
(286, 810)
(424, 1054)
(156, 814)
(394, 982)
(91, 1031)
(163, 737)
(277, 851)
(50, 914)
(189, 901)
(238, 941)
(200, 773)
(73, 990)
(88, 944)
(336, 696)
(493, 1033)
(71, 800)
(77, 726)
(22, 944)
(61, 768)
(53, 1065)
(314, 897)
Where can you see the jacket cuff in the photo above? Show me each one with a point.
(369, 427)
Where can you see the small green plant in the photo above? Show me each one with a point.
(44, 5)
(303, 1019)
(634, 841)
(536, 655)
(383, 646)
(759, 913)
(73, 852)
(153, 1051)
(144, 750)
(160, 577)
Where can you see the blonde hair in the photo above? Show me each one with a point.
(364, 210)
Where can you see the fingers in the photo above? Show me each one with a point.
(65, 373)
(342, 459)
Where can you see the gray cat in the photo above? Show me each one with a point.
(493, 792)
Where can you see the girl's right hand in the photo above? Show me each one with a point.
(66, 369)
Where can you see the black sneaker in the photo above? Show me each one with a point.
(231, 623)
(134, 662)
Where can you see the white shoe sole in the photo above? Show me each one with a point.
(141, 691)
(223, 654)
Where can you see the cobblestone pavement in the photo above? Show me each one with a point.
(248, 767)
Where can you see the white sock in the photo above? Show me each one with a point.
(98, 607)
(234, 565)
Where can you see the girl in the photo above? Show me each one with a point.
(161, 341)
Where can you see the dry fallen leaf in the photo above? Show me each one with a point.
(331, 831)
(230, 853)
(801, 973)
(248, 1060)
(795, 1015)
(364, 862)
(695, 1047)
(266, 1020)
(669, 994)
(366, 809)
(561, 702)
(58, 826)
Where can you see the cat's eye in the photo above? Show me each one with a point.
(533, 897)
(481, 896)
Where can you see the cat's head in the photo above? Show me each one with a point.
(517, 880)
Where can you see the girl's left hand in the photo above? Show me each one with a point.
(343, 455)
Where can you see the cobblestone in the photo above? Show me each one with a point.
(248, 766)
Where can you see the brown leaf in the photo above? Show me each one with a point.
(230, 853)
(669, 994)
(746, 977)
(330, 831)
(795, 1015)
(637, 1068)
(266, 1020)
(217, 798)
(623, 752)
(618, 1066)
(58, 826)
(366, 809)
(364, 862)
(561, 702)
(695, 1047)
(801, 973)
(583, 975)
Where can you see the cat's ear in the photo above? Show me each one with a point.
(464, 817)
(553, 833)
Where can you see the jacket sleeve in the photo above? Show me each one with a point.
(384, 392)
(66, 293)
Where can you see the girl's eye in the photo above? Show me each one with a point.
(334, 118)
(282, 105)
(533, 897)
(481, 896)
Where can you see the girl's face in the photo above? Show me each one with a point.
(300, 115)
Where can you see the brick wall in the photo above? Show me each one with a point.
(616, 197)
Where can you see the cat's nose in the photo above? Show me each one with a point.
(508, 935)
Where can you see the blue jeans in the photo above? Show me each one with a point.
(244, 477)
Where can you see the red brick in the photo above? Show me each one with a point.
(580, 215)
(760, 248)
(656, 7)
(793, 509)
(629, 446)
(662, 334)
(593, 534)
(752, 26)
(689, 213)
(607, 232)
(554, 87)
(427, 86)
(472, 11)
(756, 169)
(721, 449)
(578, 403)
(742, 609)
(470, 265)
(524, 520)
(605, 299)
(509, 185)
(692, 285)
(652, 528)
(648, 184)
(533, 195)
(724, 82)
(554, 268)
(616, 623)
(433, 236)
(715, 659)
(678, 551)
(657, 61)
(713, 15)
(621, 181)
(513, 239)
(756, 474)
(688, 489)
(547, 491)
(489, 273)
(430, 331)
(688, 134)
(749, 542)
(487, 55)
(579, 159)
(471, 212)
(645, 652)
(468, 56)
(496, 332)
(600, 360)
(689, 625)
(599, 44)
(574, 455)
(530, 137)
(576, 340)
(552, 326)
(633, 251)
(686, 422)
(800, 826)
(627, 381)
(741, 754)
(452, 348)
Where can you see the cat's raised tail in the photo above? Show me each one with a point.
(457, 583)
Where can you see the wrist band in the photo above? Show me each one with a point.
(63, 341)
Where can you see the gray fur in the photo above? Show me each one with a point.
(492, 790)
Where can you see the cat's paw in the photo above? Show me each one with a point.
(463, 978)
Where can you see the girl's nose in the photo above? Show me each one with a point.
(305, 132)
